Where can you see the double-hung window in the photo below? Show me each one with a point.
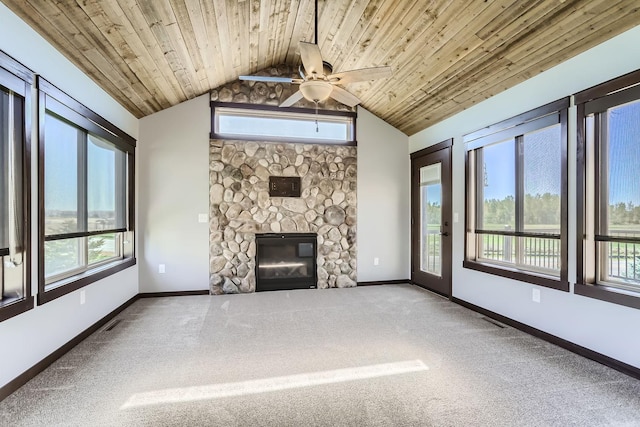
(15, 92)
(609, 204)
(516, 197)
(86, 168)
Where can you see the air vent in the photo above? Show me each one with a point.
(494, 322)
(112, 325)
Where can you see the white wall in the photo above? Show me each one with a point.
(384, 203)
(603, 327)
(31, 336)
(174, 178)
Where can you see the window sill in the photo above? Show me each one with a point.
(73, 283)
(279, 139)
(608, 294)
(14, 306)
(520, 275)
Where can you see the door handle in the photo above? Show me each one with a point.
(445, 234)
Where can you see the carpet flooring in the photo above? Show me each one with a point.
(391, 355)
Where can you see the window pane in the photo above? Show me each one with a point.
(430, 222)
(498, 181)
(282, 125)
(540, 253)
(60, 177)
(621, 263)
(103, 247)
(496, 247)
(13, 286)
(105, 185)
(63, 255)
(542, 180)
(4, 169)
(623, 170)
(532, 253)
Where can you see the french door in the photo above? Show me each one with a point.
(431, 218)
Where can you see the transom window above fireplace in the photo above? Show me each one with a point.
(263, 123)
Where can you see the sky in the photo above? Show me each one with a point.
(624, 152)
(61, 170)
(541, 165)
(542, 161)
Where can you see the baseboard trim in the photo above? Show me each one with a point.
(630, 370)
(173, 294)
(27, 375)
(433, 291)
(385, 282)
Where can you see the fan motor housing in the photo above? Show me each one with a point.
(327, 69)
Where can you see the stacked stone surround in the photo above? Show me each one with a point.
(240, 207)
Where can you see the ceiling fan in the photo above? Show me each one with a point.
(318, 82)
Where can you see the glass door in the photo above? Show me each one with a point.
(431, 212)
(430, 219)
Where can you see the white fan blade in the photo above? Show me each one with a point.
(361, 75)
(344, 97)
(267, 79)
(311, 58)
(297, 96)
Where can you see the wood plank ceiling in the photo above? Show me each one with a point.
(446, 54)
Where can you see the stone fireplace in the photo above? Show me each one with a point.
(240, 207)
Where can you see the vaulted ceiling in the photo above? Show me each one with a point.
(446, 54)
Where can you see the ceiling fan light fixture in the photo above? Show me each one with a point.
(316, 90)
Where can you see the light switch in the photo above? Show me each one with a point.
(203, 218)
(535, 295)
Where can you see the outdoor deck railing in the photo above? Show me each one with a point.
(623, 259)
(537, 252)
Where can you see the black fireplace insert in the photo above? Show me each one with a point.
(286, 261)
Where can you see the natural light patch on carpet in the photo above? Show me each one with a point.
(217, 391)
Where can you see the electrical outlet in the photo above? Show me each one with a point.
(376, 261)
(535, 295)
(203, 218)
(161, 269)
(83, 297)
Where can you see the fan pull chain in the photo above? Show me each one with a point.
(317, 130)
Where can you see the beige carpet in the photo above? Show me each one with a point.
(368, 356)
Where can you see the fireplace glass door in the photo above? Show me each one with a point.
(285, 261)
